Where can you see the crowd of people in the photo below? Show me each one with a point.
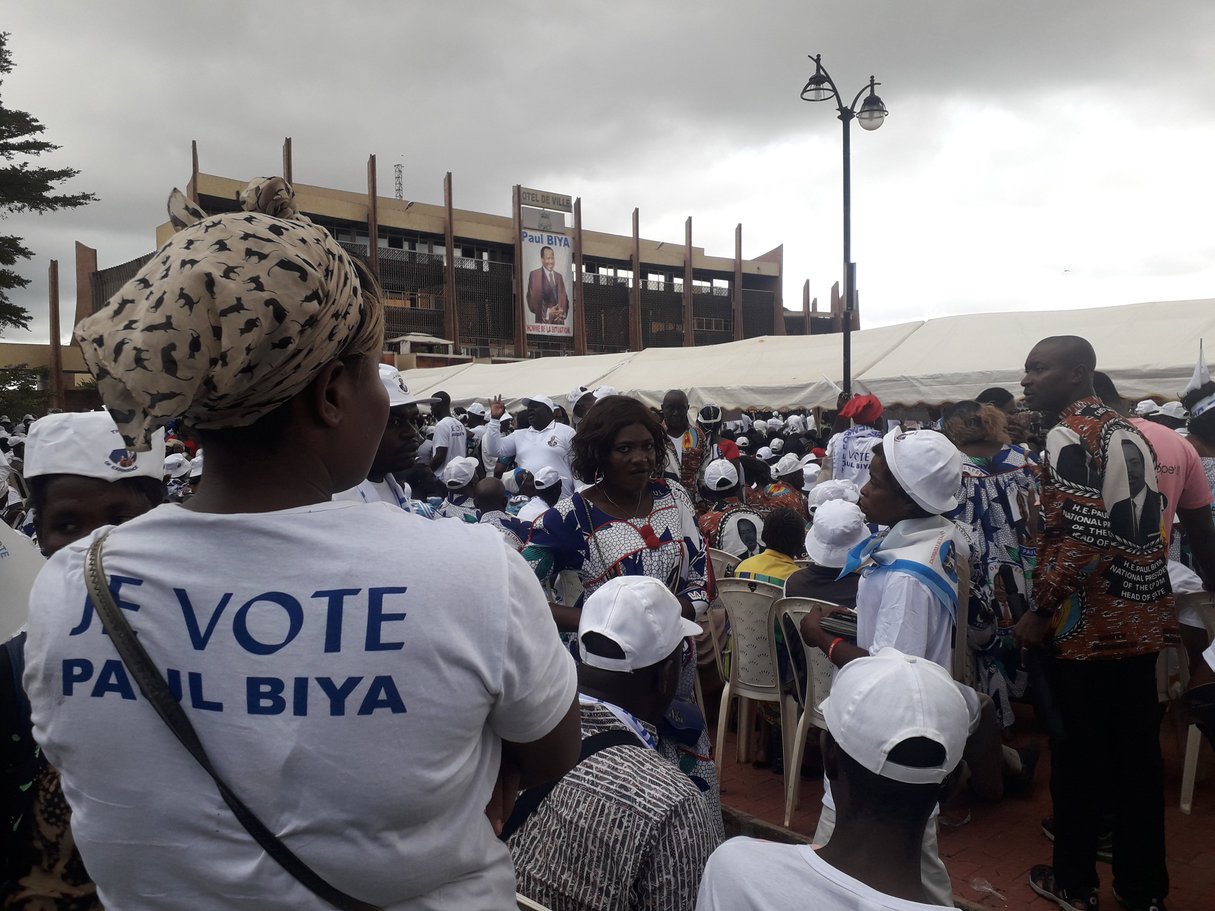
(380, 651)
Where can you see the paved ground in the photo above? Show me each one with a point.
(1002, 841)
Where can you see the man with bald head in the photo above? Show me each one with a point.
(489, 496)
(1103, 609)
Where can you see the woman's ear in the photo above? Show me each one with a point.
(330, 391)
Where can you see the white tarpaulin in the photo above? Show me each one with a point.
(1148, 350)
(772, 371)
(551, 376)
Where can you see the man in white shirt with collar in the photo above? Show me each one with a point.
(544, 443)
(398, 450)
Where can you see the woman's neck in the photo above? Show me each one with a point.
(247, 480)
(622, 503)
(983, 449)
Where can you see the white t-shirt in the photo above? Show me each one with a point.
(351, 670)
(451, 433)
(535, 449)
(896, 609)
(851, 452)
(746, 874)
(533, 509)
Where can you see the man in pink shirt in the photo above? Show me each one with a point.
(1179, 476)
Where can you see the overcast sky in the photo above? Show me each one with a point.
(1038, 154)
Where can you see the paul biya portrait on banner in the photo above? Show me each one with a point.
(546, 263)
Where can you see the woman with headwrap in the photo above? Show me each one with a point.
(365, 701)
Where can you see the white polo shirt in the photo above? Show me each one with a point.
(535, 449)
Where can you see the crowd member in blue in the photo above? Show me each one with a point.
(631, 521)
(998, 502)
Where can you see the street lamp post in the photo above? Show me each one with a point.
(871, 113)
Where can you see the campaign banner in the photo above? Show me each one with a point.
(547, 278)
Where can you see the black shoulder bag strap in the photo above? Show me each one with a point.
(157, 692)
(530, 800)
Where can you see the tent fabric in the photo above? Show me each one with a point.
(1148, 350)
(551, 376)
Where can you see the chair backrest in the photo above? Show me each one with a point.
(811, 669)
(569, 587)
(723, 563)
(748, 604)
(1204, 604)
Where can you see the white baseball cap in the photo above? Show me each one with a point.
(604, 391)
(882, 700)
(459, 472)
(1174, 410)
(540, 400)
(788, 465)
(196, 465)
(926, 465)
(89, 444)
(478, 409)
(742, 442)
(775, 424)
(545, 478)
(837, 528)
(765, 453)
(640, 615)
(721, 475)
(833, 489)
(177, 466)
(777, 444)
(398, 392)
(1146, 407)
(574, 396)
(709, 415)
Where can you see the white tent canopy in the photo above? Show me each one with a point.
(1148, 350)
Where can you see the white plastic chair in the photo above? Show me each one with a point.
(1204, 602)
(753, 670)
(723, 563)
(526, 904)
(809, 681)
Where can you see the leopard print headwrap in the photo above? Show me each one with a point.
(230, 319)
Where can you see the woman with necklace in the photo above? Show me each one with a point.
(631, 521)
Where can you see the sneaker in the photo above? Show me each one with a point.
(1105, 839)
(1042, 881)
(1153, 904)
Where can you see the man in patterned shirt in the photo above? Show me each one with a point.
(1104, 610)
(624, 829)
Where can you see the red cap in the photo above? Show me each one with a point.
(862, 408)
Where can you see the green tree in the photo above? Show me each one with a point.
(23, 391)
(24, 188)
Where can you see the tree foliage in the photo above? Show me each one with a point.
(23, 391)
(24, 187)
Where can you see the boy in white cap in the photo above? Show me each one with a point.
(908, 596)
(450, 439)
(896, 729)
(545, 490)
(397, 452)
(543, 443)
(460, 477)
(624, 828)
(82, 476)
(838, 527)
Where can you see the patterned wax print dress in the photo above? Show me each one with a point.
(664, 545)
(998, 501)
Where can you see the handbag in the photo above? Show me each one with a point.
(154, 688)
